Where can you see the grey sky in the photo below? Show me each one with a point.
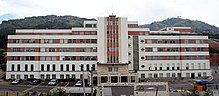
(144, 11)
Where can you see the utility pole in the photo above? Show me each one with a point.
(92, 86)
(82, 67)
(92, 83)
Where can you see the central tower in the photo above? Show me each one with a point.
(113, 40)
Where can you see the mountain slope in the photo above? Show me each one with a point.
(197, 26)
(39, 22)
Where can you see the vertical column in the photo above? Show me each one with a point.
(109, 79)
(98, 80)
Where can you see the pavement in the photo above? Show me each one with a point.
(24, 86)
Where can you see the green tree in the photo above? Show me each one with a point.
(208, 93)
(58, 92)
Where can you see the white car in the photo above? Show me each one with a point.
(53, 82)
(79, 83)
(16, 81)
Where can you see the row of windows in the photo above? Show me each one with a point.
(45, 76)
(53, 41)
(174, 41)
(173, 66)
(54, 67)
(85, 49)
(52, 58)
(84, 33)
(156, 75)
(175, 49)
(199, 57)
(112, 59)
(113, 69)
(73, 33)
(80, 58)
(25, 58)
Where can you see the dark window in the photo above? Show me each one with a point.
(187, 68)
(26, 68)
(160, 68)
(48, 67)
(12, 67)
(155, 68)
(18, 67)
(173, 68)
(82, 67)
(53, 67)
(67, 67)
(42, 67)
(73, 67)
(31, 68)
(93, 67)
(168, 68)
(61, 67)
(178, 68)
(88, 67)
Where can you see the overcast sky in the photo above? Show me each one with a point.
(143, 11)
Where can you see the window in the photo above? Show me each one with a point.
(42, 67)
(155, 68)
(25, 76)
(110, 69)
(168, 68)
(204, 74)
(93, 66)
(42, 76)
(67, 76)
(173, 75)
(88, 67)
(160, 68)
(149, 75)
(173, 68)
(149, 68)
(178, 68)
(168, 74)
(53, 67)
(187, 74)
(82, 67)
(31, 76)
(142, 75)
(47, 76)
(155, 75)
(12, 67)
(199, 74)
(199, 65)
(26, 67)
(53, 76)
(160, 74)
(48, 67)
(12, 76)
(73, 67)
(31, 67)
(18, 67)
(67, 67)
(73, 76)
(116, 69)
(61, 67)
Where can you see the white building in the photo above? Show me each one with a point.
(118, 49)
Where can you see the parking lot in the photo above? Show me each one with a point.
(25, 86)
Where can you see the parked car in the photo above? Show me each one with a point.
(79, 83)
(16, 81)
(53, 82)
(35, 82)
